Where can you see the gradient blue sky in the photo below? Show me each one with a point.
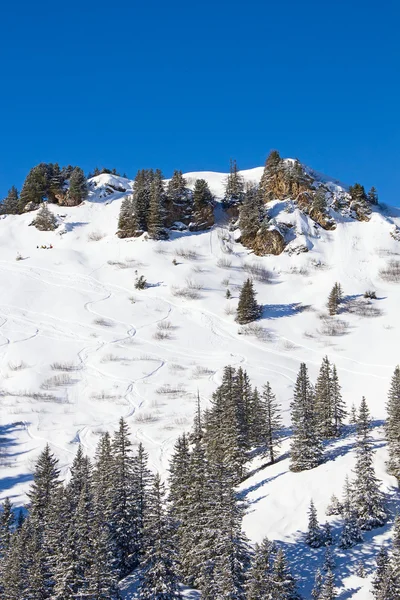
(188, 85)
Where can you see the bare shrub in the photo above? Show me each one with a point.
(57, 381)
(258, 331)
(170, 391)
(224, 263)
(64, 366)
(161, 250)
(230, 310)
(187, 253)
(258, 272)
(202, 372)
(119, 264)
(333, 327)
(363, 308)
(103, 322)
(146, 417)
(370, 294)
(114, 358)
(185, 293)
(198, 269)
(303, 271)
(191, 284)
(176, 367)
(391, 272)
(17, 366)
(95, 236)
(165, 325)
(162, 335)
(319, 265)
(181, 421)
(289, 345)
(104, 396)
(225, 282)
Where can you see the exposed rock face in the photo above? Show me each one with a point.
(266, 241)
(177, 212)
(281, 185)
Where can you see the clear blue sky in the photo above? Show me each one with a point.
(188, 85)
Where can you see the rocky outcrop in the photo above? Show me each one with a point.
(266, 241)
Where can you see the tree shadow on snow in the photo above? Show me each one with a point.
(277, 311)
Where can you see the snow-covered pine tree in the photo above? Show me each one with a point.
(158, 578)
(329, 561)
(318, 583)
(123, 513)
(270, 422)
(45, 220)
(141, 199)
(283, 583)
(392, 579)
(103, 481)
(351, 532)
(327, 534)
(334, 299)
(353, 415)
(234, 186)
(126, 222)
(179, 483)
(156, 211)
(314, 535)
(334, 507)
(367, 499)
(258, 578)
(382, 565)
(248, 310)
(393, 425)
(81, 472)
(328, 587)
(305, 450)
(7, 521)
(323, 400)
(142, 482)
(338, 405)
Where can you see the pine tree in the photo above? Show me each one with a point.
(351, 532)
(338, 405)
(284, 584)
(318, 583)
(327, 534)
(324, 400)
(45, 220)
(142, 480)
(353, 415)
(271, 422)
(328, 588)
(80, 476)
(248, 310)
(251, 213)
(45, 485)
(392, 579)
(203, 206)
(382, 565)
(10, 204)
(393, 425)
(156, 217)
(126, 225)
(334, 506)
(319, 201)
(141, 199)
(234, 186)
(123, 509)
(367, 498)
(259, 576)
(34, 189)
(314, 536)
(360, 572)
(78, 188)
(329, 562)
(159, 579)
(305, 450)
(373, 196)
(272, 165)
(334, 299)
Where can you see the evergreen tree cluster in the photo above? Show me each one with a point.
(386, 580)
(152, 204)
(47, 182)
(393, 425)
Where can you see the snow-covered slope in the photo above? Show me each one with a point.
(80, 347)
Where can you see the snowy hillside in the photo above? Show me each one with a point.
(80, 347)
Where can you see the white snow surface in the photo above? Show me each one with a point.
(75, 304)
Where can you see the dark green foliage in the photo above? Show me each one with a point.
(35, 186)
(10, 204)
(319, 201)
(45, 220)
(259, 577)
(126, 225)
(330, 411)
(305, 449)
(248, 310)
(334, 299)
(251, 213)
(203, 206)
(357, 193)
(266, 418)
(373, 196)
(314, 537)
(393, 425)
(78, 189)
(156, 216)
(141, 199)
(140, 283)
(234, 186)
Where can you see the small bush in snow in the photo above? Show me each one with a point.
(370, 294)
(258, 272)
(333, 327)
(187, 253)
(95, 236)
(224, 263)
(162, 335)
(140, 283)
(57, 381)
(391, 272)
(64, 366)
(45, 220)
(103, 322)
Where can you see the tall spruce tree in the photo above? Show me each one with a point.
(393, 425)
(126, 223)
(248, 310)
(10, 204)
(315, 537)
(45, 220)
(368, 500)
(159, 580)
(78, 189)
(259, 576)
(251, 213)
(234, 186)
(351, 532)
(156, 216)
(203, 206)
(35, 186)
(271, 422)
(305, 450)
